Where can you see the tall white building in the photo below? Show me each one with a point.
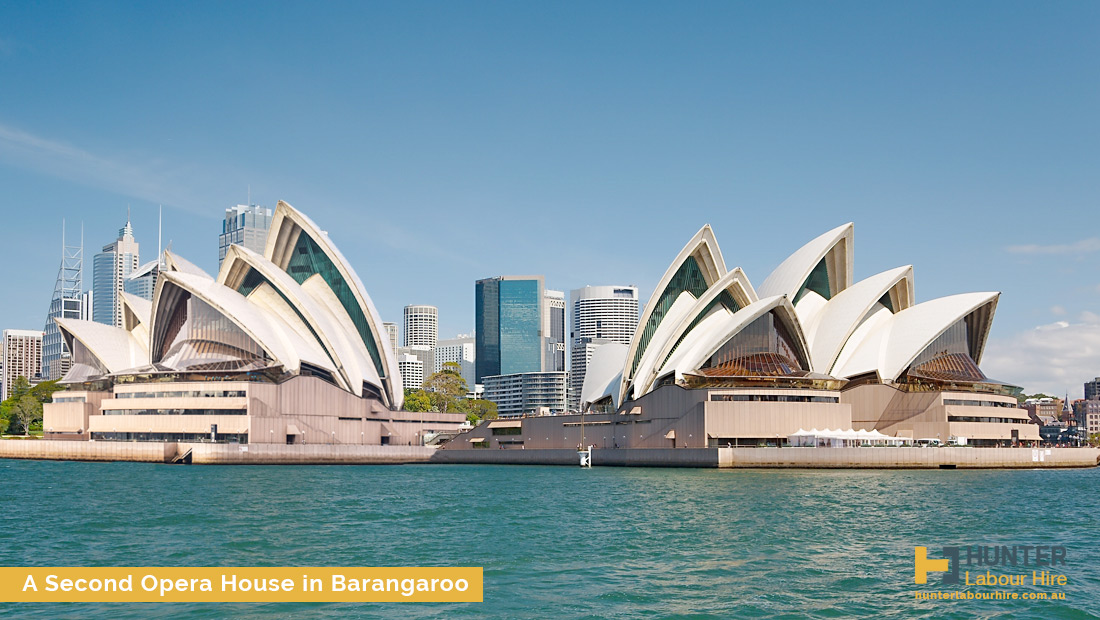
(391, 331)
(553, 330)
(527, 393)
(459, 350)
(412, 371)
(246, 226)
(110, 268)
(421, 326)
(426, 357)
(600, 314)
(22, 357)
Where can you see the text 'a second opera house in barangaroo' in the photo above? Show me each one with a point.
(717, 362)
(283, 347)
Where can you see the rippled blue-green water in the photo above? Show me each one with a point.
(557, 542)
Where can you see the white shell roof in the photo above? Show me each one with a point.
(349, 355)
(677, 323)
(892, 345)
(174, 262)
(604, 372)
(286, 346)
(838, 319)
(116, 348)
(677, 313)
(141, 307)
(704, 247)
(713, 332)
(277, 250)
(790, 275)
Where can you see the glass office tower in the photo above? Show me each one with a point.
(508, 320)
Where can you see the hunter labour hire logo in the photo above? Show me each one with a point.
(924, 565)
(1014, 566)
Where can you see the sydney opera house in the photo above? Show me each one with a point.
(716, 362)
(283, 348)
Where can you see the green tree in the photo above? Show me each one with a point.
(21, 388)
(417, 400)
(446, 388)
(479, 409)
(43, 392)
(27, 411)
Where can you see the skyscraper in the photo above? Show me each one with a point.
(109, 271)
(601, 314)
(421, 326)
(412, 371)
(459, 350)
(67, 302)
(391, 331)
(246, 226)
(143, 281)
(553, 329)
(1092, 389)
(22, 358)
(508, 324)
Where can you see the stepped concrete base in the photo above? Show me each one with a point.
(210, 453)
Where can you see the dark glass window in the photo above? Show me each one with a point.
(723, 299)
(487, 327)
(520, 327)
(253, 279)
(818, 282)
(948, 358)
(763, 348)
(885, 300)
(687, 278)
(307, 260)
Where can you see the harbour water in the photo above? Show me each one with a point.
(560, 542)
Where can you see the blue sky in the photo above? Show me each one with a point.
(440, 143)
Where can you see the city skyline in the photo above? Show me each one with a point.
(761, 121)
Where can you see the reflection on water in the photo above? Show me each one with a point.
(556, 542)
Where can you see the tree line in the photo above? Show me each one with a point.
(21, 413)
(445, 392)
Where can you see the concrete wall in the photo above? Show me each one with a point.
(59, 450)
(309, 410)
(923, 414)
(168, 423)
(272, 454)
(810, 458)
(908, 458)
(767, 420)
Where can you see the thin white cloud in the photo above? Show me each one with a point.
(1050, 358)
(1079, 248)
(1057, 310)
(152, 180)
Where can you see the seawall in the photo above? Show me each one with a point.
(810, 458)
(213, 454)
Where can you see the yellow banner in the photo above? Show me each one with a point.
(240, 585)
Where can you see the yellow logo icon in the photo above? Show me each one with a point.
(924, 565)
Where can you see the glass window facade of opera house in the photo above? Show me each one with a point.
(262, 353)
(716, 361)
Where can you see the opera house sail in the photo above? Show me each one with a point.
(283, 347)
(716, 362)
